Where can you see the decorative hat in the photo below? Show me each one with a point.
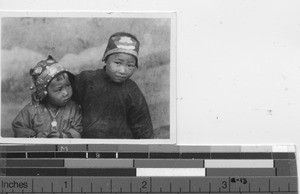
(122, 42)
(43, 73)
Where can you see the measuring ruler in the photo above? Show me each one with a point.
(147, 169)
(149, 185)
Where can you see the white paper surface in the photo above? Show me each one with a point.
(238, 66)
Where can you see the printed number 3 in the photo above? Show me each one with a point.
(224, 184)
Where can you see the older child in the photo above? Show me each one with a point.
(113, 106)
(51, 113)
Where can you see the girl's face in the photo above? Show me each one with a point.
(120, 66)
(59, 90)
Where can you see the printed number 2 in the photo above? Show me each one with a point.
(144, 185)
(224, 184)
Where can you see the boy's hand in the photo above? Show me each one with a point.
(42, 135)
(54, 134)
(66, 135)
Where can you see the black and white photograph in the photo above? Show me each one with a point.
(73, 76)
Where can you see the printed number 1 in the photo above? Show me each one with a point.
(66, 184)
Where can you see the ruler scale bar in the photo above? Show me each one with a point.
(238, 163)
(168, 163)
(170, 172)
(209, 172)
(98, 163)
(40, 154)
(148, 148)
(147, 169)
(69, 171)
(34, 163)
(101, 155)
(133, 155)
(153, 185)
(285, 167)
(148, 155)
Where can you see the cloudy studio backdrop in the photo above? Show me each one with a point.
(79, 42)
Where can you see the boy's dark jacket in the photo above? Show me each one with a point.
(109, 109)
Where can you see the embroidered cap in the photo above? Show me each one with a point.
(122, 42)
(42, 74)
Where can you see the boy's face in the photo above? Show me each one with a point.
(59, 90)
(120, 66)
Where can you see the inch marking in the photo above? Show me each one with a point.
(249, 187)
(32, 184)
(110, 185)
(71, 184)
(150, 184)
(229, 183)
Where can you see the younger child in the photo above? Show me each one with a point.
(51, 113)
(113, 106)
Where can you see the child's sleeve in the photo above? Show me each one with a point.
(79, 86)
(22, 125)
(139, 118)
(76, 125)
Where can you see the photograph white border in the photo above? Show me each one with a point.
(173, 75)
